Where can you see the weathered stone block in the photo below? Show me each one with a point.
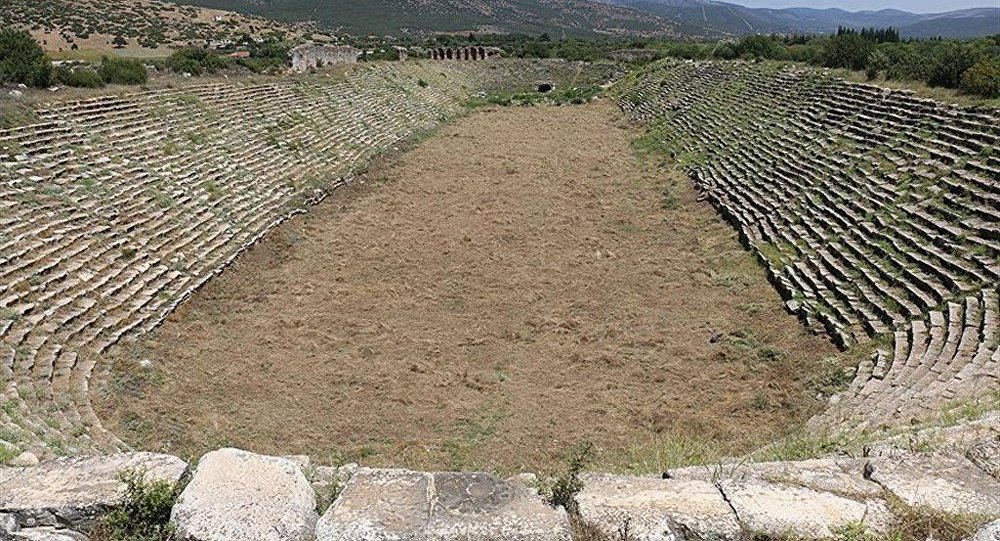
(236, 495)
(943, 481)
(989, 532)
(72, 492)
(778, 510)
(45, 533)
(656, 509)
(838, 475)
(401, 504)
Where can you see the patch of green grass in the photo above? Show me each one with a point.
(474, 433)
(7, 454)
(340, 457)
(212, 189)
(915, 524)
(10, 436)
(197, 138)
(569, 96)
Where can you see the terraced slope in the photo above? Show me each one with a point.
(877, 214)
(114, 209)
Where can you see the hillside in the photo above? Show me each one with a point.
(724, 18)
(143, 26)
(558, 17)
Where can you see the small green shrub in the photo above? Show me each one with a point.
(80, 77)
(144, 512)
(983, 78)
(567, 485)
(195, 62)
(122, 71)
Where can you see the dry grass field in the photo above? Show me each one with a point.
(518, 284)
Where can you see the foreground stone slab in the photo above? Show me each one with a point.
(44, 533)
(778, 510)
(656, 509)
(942, 481)
(842, 476)
(989, 532)
(401, 504)
(236, 495)
(72, 492)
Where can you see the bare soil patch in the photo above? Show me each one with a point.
(514, 286)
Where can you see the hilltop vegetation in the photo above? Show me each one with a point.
(576, 18)
(970, 65)
(63, 26)
(572, 18)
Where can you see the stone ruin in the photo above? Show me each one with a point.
(874, 211)
(313, 56)
(465, 53)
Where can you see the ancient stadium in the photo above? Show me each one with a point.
(465, 296)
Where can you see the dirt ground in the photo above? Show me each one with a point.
(516, 285)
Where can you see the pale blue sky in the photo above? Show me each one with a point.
(915, 6)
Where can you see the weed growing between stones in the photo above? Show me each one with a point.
(915, 524)
(144, 513)
(329, 495)
(564, 488)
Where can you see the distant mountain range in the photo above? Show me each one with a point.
(395, 17)
(724, 18)
(694, 18)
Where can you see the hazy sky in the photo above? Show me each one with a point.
(916, 6)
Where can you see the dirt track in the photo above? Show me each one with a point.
(506, 290)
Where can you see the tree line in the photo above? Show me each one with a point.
(973, 66)
(970, 65)
(22, 61)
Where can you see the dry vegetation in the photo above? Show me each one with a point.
(85, 29)
(514, 286)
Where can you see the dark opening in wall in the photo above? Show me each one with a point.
(545, 87)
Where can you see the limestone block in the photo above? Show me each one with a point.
(401, 504)
(778, 510)
(236, 495)
(71, 492)
(838, 475)
(46, 533)
(943, 481)
(25, 459)
(989, 532)
(656, 509)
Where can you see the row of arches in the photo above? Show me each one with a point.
(463, 53)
